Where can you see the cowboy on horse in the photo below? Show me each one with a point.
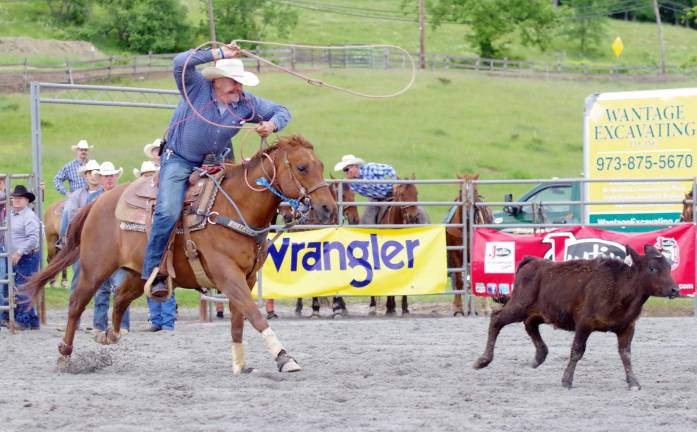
(218, 93)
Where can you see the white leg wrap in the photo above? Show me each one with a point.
(238, 360)
(272, 342)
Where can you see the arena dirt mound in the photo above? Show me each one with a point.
(29, 47)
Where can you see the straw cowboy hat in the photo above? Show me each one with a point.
(107, 168)
(21, 191)
(233, 69)
(91, 165)
(347, 160)
(82, 145)
(148, 147)
(145, 167)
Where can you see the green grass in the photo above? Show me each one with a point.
(502, 128)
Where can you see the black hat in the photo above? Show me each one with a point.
(21, 191)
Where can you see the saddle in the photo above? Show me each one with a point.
(137, 203)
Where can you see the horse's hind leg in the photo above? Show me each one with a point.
(299, 306)
(532, 326)
(90, 279)
(458, 310)
(390, 306)
(130, 288)
(315, 307)
(405, 305)
(499, 319)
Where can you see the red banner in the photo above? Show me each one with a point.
(495, 255)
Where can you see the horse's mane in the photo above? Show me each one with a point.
(291, 141)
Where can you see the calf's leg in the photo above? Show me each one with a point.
(624, 344)
(532, 326)
(510, 314)
(577, 349)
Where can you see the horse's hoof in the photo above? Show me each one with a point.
(112, 337)
(271, 315)
(405, 312)
(100, 338)
(298, 312)
(389, 313)
(63, 362)
(287, 363)
(482, 362)
(244, 371)
(458, 313)
(64, 349)
(315, 315)
(338, 315)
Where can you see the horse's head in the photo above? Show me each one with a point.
(482, 214)
(406, 192)
(300, 176)
(347, 196)
(687, 215)
(286, 212)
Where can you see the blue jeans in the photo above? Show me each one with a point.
(101, 302)
(24, 316)
(64, 224)
(163, 315)
(174, 176)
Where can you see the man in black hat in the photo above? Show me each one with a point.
(25, 236)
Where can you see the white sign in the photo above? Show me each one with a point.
(499, 257)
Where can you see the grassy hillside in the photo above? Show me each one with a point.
(324, 28)
(448, 123)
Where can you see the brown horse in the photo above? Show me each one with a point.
(454, 237)
(351, 217)
(687, 215)
(52, 223)
(229, 258)
(398, 215)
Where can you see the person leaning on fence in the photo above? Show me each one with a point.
(24, 255)
(356, 168)
(71, 170)
(218, 94)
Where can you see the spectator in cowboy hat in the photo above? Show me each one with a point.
(24, 240)
(77, 199)
(109, 175)
(217, 93)
(152, 151)
(70, 171)
(146, 168)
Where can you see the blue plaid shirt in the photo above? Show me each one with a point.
(69, 172)
(375, 171)
(192, 138)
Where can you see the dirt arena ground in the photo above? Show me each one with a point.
(359, 373)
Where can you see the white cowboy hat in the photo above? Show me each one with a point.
(347, 160)
(145, 167)
(91, 165)
(107, 168)
(148, 147)
(82, 144)
(233, 69)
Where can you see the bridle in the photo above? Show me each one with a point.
(402, 209)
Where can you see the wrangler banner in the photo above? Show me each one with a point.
(496, 255)
(355, 261)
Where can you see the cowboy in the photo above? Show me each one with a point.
(356, 168)
(218, 94)
(76, 200)
(152, 151)
(24, 253)
(70, 171)
(147, 169)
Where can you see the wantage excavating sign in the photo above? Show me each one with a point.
(355, 261)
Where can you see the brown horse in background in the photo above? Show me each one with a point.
(398, 215)
(52, 223)
(454, 237)
(229, 258)
(687, 215)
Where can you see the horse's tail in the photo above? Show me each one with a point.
(68, 255)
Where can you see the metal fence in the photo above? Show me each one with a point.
(16, 76)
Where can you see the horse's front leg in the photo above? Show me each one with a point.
(231, 281)
(239, 361)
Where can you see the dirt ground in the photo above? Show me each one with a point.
(359, 373)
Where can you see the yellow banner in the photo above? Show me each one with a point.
(643, 134)
(356, 261)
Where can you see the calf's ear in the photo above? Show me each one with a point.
(632, 256)
(650, 250)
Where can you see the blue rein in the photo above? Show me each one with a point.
(295, 204)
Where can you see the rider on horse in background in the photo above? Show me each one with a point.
(217, 93)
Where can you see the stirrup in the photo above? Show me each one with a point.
(151, 280)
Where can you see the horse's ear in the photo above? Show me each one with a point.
(475, 177)
(413, 176)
